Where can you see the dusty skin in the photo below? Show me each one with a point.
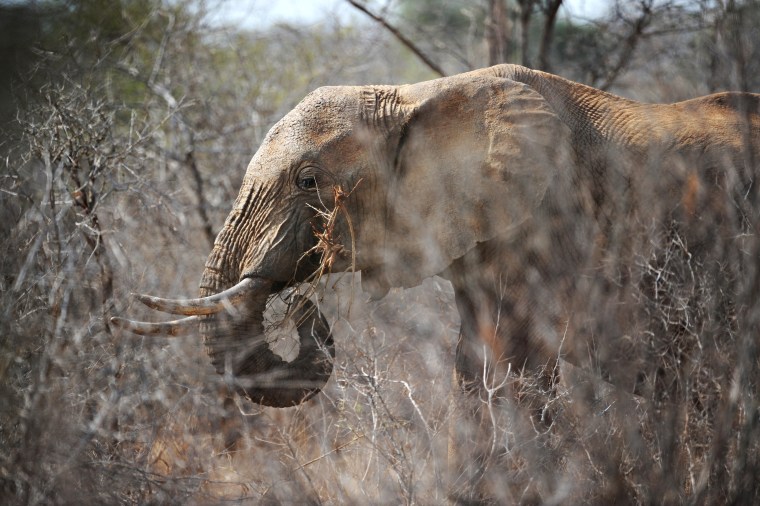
(535, 196)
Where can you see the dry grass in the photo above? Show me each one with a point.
(96, 205)
(96, 416)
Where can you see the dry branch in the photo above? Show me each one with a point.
(401, 38)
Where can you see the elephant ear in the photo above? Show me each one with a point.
(475, 157)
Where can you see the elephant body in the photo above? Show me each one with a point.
(640, 178)
(571, 222)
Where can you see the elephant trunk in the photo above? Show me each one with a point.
(230, 317)
(235, 340)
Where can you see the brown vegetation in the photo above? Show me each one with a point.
(119, 170)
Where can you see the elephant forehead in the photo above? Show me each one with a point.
(322, 116)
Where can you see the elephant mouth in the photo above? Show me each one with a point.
(234, 331)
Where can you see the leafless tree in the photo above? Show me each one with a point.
(128, 147)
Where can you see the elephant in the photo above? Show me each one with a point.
(522, 188)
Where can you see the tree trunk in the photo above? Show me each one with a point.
(497, 32)
(550, 8)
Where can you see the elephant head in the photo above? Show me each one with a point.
(395, 182)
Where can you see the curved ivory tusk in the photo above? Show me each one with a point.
(205, 305)
(175, 328)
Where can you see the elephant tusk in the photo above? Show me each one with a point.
(204, 305)
(174, 328)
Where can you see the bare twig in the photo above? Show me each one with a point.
(400, 36)
(629, 44)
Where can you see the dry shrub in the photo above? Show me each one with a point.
(97, 416)
(102, 199)
(102, 417)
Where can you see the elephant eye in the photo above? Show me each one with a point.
(307, 180)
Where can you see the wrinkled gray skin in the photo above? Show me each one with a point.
(458, 177)
(428, 167)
